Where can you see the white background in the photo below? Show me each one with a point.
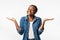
(18, 8)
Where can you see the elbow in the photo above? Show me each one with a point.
(40, 31)
(21, 32)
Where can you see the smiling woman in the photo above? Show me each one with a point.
(30, 25)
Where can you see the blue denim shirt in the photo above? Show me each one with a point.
(24, 27)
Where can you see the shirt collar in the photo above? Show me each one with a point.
(26, 18)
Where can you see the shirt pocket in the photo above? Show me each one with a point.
(26, 26)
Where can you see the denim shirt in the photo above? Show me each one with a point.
(24, 27)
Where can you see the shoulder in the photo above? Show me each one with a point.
(38, 18)
(22, 18)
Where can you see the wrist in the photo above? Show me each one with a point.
(14, 21)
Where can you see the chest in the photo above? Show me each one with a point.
(35, 25)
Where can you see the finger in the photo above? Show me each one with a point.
(9, 18)
(51, 19)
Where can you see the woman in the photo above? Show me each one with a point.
(30, 25)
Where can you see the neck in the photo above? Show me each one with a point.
(30, 18)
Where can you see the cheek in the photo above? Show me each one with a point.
(28, 13)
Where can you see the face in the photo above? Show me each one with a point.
(31, 11)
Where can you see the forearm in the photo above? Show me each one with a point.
(17, 26)
(42, 25)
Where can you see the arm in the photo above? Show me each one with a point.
(43, 23)
(15, 22)
(41, 28)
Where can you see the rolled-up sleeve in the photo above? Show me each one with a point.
(40, 31)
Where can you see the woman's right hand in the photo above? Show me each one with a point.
(15, 22)
(12, 19)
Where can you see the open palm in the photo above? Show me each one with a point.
(12, 19)
(48, 19)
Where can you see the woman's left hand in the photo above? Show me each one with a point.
(48, 19)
